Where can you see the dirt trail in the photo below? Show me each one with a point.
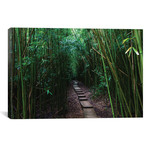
(74, 107)
(102, 109)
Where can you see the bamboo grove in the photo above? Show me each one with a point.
(43, 61)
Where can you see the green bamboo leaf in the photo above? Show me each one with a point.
(135, 50)
(129, 53)
(48, 92)
(125, 40)
(128, 50)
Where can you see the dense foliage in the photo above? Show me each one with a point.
(43, 61)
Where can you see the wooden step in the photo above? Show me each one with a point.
(77, 88)
(89, 113)
(75, 85)
(75, 82)
(86, 104)
(83, 99)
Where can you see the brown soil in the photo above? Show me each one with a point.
(102, 109)
(74, 107)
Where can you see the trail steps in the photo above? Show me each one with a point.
(88, 109)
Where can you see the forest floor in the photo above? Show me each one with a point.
(102, 108)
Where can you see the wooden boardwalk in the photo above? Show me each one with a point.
(88, 109)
